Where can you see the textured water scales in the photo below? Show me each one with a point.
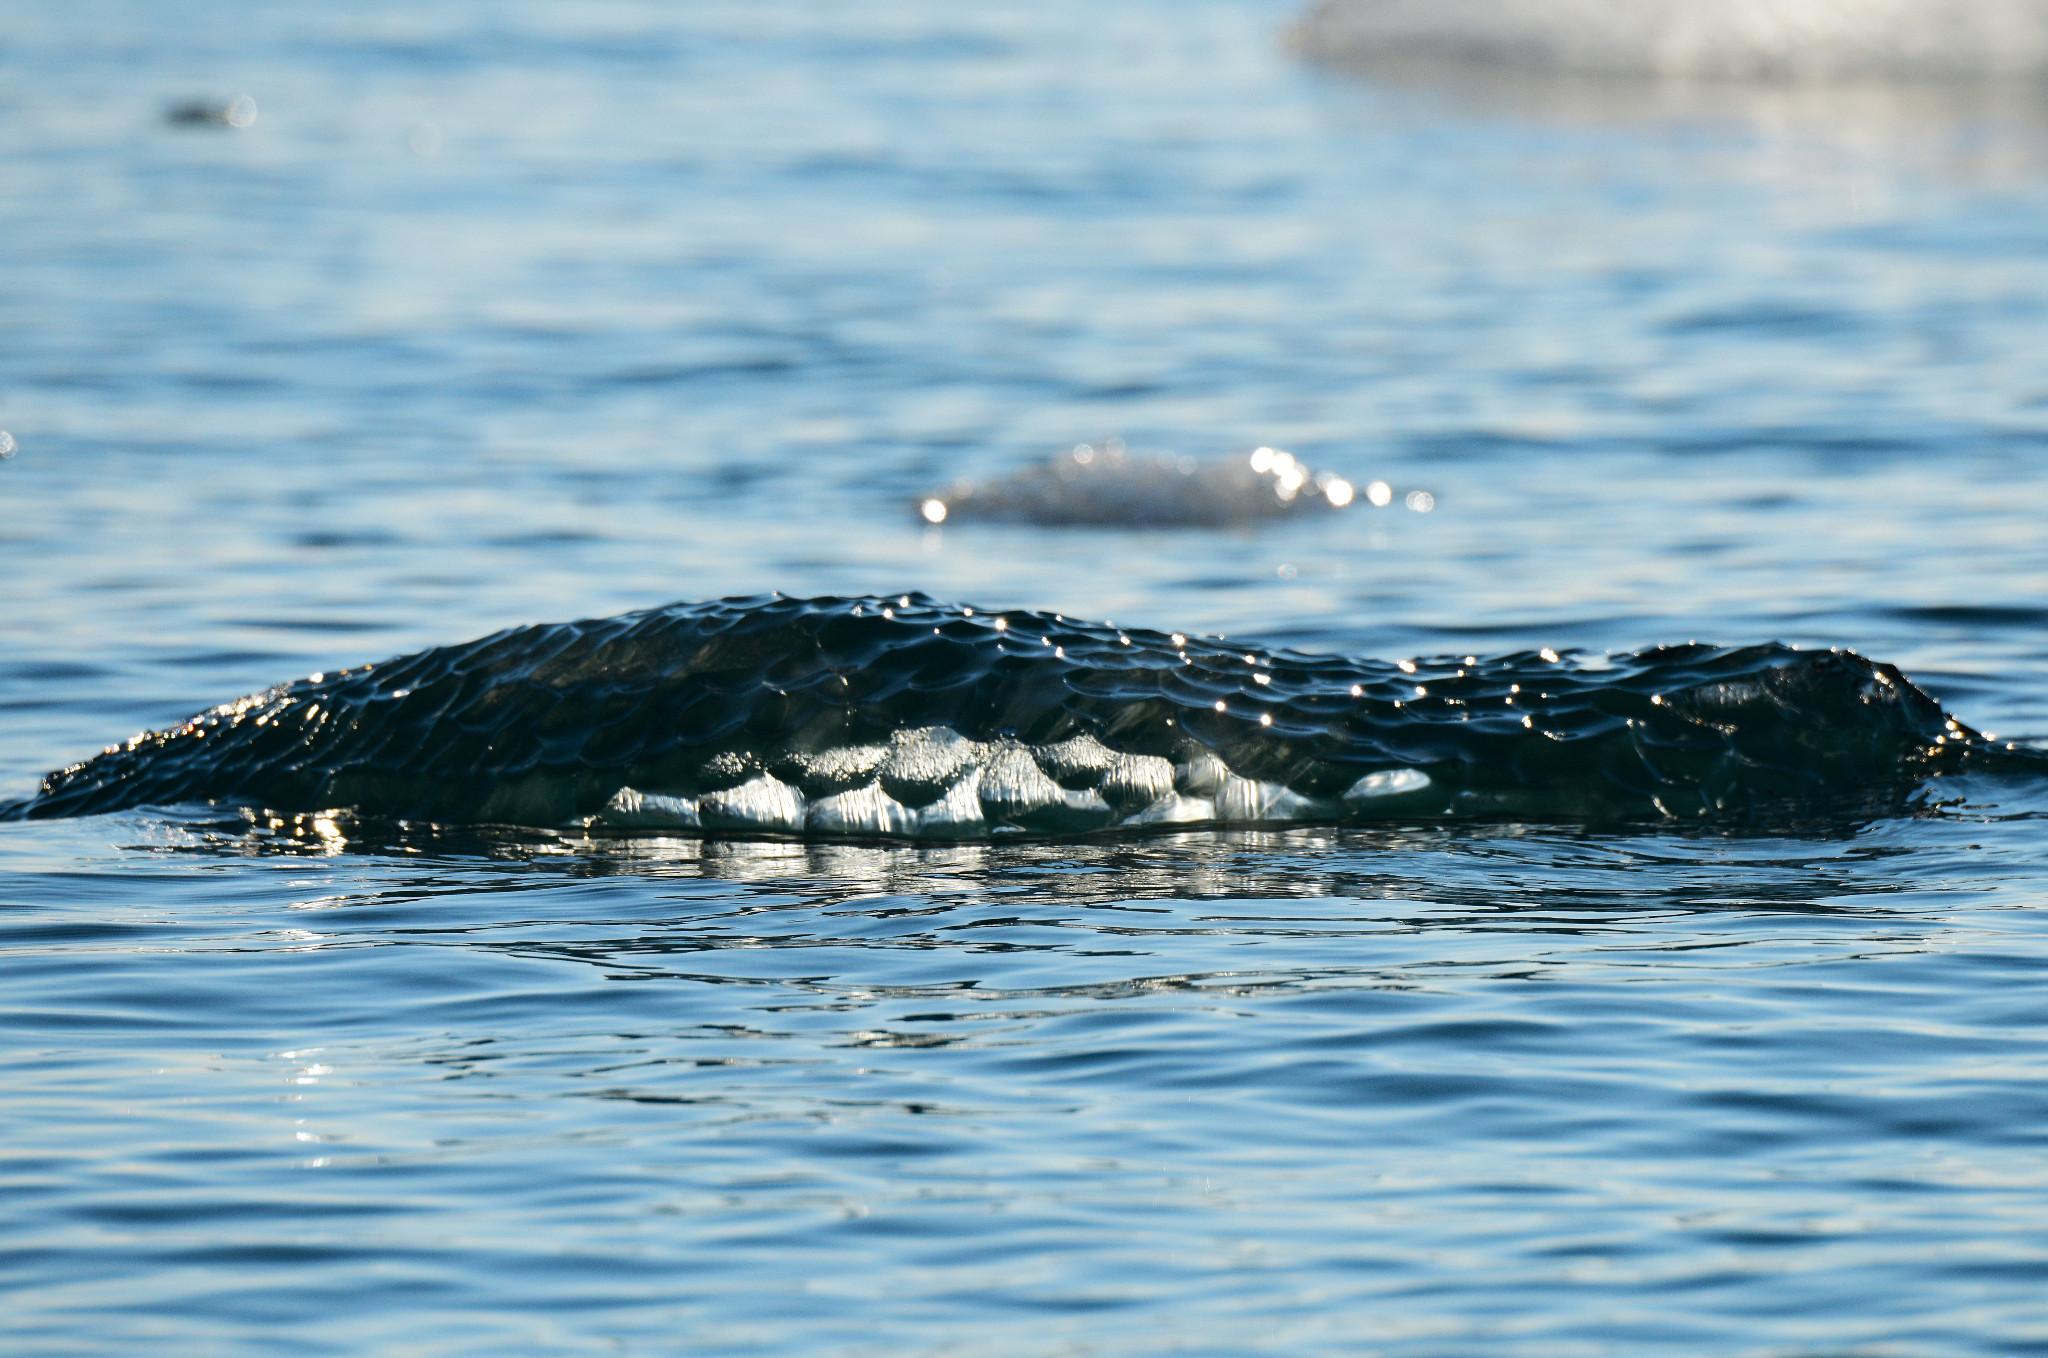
(902, 717)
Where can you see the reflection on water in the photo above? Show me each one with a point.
(1500, 867)
(1267, 1085)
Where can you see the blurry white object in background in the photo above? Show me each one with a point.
(1110, 487)
(1767, 40)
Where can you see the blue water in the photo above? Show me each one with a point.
(519, 312)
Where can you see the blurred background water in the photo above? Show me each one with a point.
(512, 312)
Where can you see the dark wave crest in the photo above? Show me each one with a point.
(908, 718)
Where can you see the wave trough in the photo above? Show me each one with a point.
(906, 718)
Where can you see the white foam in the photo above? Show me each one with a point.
(1012, 784)
(1249, 801)
(1770, 40)
(1386, 783)
(929, 755)
(1001, 783)
(1174, 809)
(1202, 775)
(843, 765)
(1141, 778)
(863, 811)
(648, 810)
(956, 814)
(765, 803)
(1080, 756)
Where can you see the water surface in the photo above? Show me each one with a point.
(499, 314)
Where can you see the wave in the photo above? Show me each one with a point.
(1111, 487)
(1746, 40)
(906, 718)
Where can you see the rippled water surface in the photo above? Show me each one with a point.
(507, 313)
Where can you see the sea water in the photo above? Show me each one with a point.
(506, 313)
